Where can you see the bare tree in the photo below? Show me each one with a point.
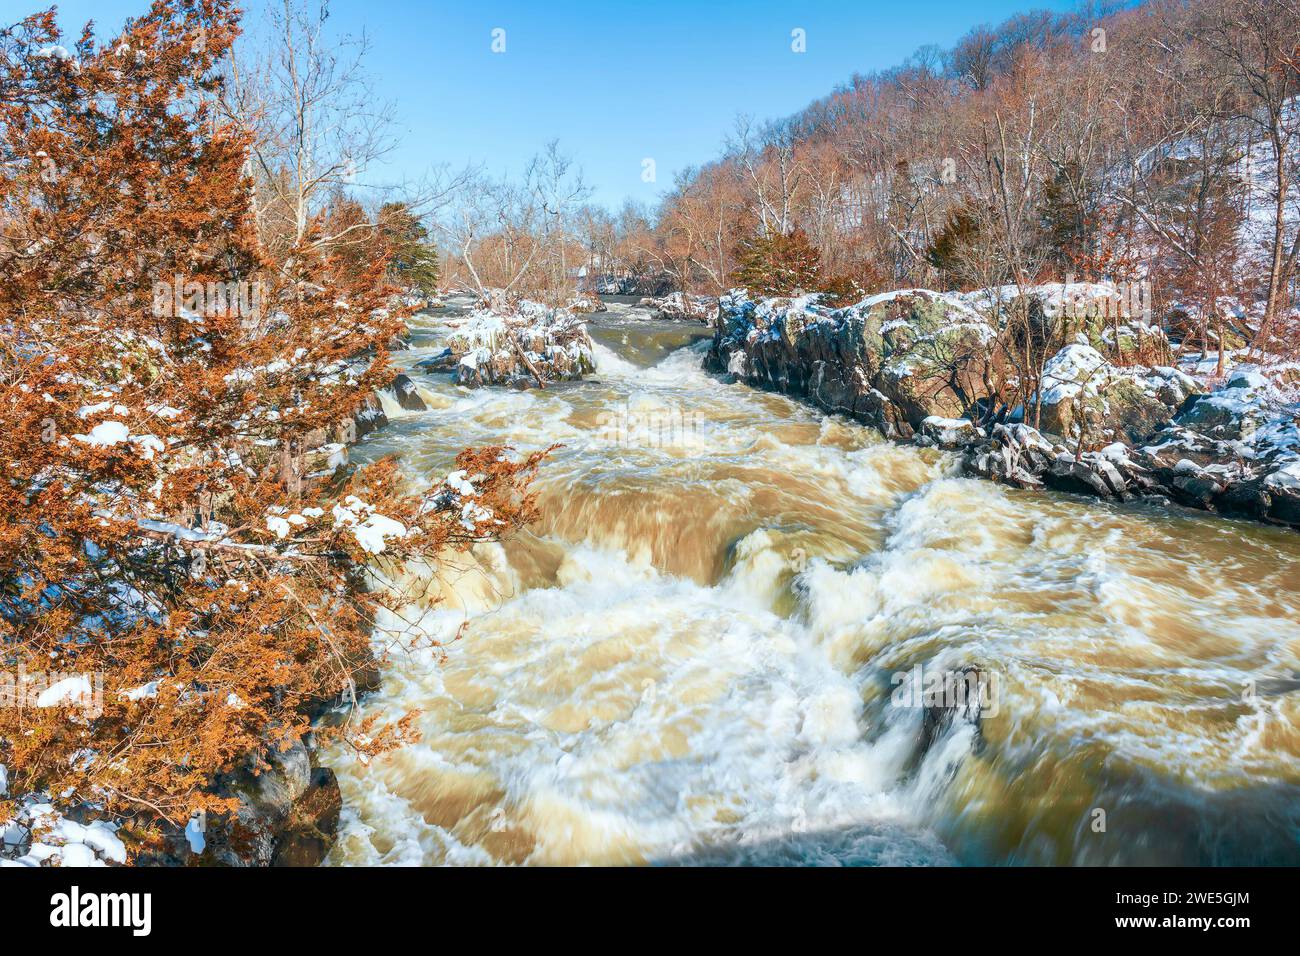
(1259, 43)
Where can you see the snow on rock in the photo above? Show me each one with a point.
(1084, 394)
(675, 306)
(586, 304)
(457, 481)
(1243, 404)
(373, 532)
(947, 432)
(1287, 477)
(143, 692)
(1235, 449)
(1058, 299)
(472, 514)
(39, 835)
(488, 348)
(1074, 369)
(1111, 426)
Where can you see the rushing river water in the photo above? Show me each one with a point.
(693, 657)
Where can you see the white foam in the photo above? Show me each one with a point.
(618, 713)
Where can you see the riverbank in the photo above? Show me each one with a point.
(913, 363)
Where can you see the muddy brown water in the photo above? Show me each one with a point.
(707, 650)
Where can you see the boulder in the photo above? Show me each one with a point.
(969, 693)
(528, 348)
(313, 823)
(407, 396)
(1281, 494)
(948, 432)
(890, 361)
(933, 351)
(443, 361)
(1018, 455)
(1114, 319)
(368, 418)
(1086, 397)
(1235, 411)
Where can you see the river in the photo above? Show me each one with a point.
(698, 654)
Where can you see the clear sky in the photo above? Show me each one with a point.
(615, 82)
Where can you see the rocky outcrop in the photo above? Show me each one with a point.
(1251, 468)
(324, 452)
(678, 307)
(949, 433)
(914, 364)
(1112, 318)
(890, 361)
(286, 814)
(1235, 450)
(525, 349)
(404, 391)
(1085, 397)
(1022, 456)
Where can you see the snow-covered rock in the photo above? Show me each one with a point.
(1085, 396)
(39, 835)
(530, 347)
(947, 432)
(676, 306)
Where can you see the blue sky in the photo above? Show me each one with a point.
(615, 83)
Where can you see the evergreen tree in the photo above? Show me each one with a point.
(414, 258)
(785, 264)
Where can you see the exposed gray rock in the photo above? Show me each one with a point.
(370, 417)
(950, 433)
(313, 823)
(404, 390)
(890, 361)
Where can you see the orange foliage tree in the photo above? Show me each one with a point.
(175, 593)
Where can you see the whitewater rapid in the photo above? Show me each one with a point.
(693, 657)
